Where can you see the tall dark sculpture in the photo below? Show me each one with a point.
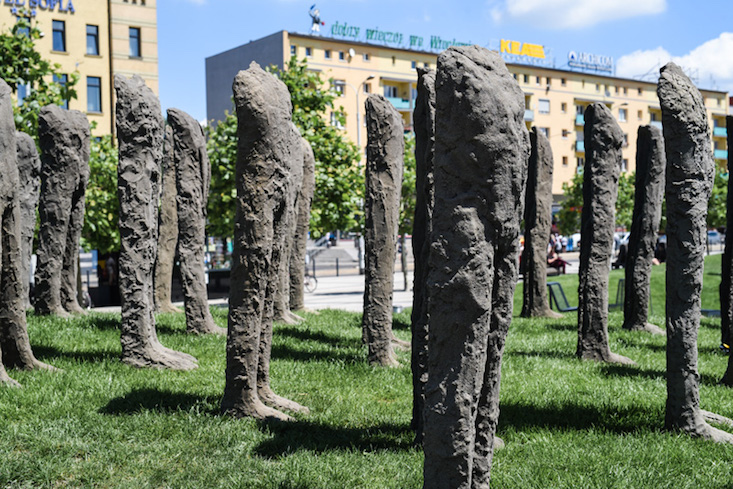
(64, 138)
(690, 175)
(648, 196)
(29, 172)
(193, 175)
(424, 123)
(726, 283)
(15, 348)
(538, 223)
(481, 152)
(603, 140)
(385, 164)
(298, 250)
(268, 153)
(167, 229)
(140, 136)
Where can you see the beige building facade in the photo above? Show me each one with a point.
(555, 99)
(95, 39)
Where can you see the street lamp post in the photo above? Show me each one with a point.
(358, 114)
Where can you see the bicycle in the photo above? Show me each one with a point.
(310, 282)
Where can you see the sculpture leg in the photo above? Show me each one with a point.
(68, 293)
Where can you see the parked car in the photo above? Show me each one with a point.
(714, 237)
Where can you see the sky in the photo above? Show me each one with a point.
(641, 35)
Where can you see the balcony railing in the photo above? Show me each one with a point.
(580, 146)
(399, 103)
(528, 115)
(579, 120)
(720, 132)
(721, 154)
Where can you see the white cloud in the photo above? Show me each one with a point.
(711, 63)
(573, 14)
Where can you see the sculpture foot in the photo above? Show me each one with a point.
(209, 327)
(294, 317)
(37, 364)
(5, 379)
(391, 361)
(279, 402)
(716, 435)
(620, 359)
(552, 314)
(648, 328)
(287, 318)
(74, 309)
(58, 312)
(715, 418)
(258, 410)
(309, 311)
(498, 443)
(161, 358)
(400, 344)
(168, 308)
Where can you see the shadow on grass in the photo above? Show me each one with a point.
(289, 438)
(46, 353)
(560, 355)
(320, 337)
(561, 325)
(164, 401)
(632, 371)
(572, 416)
(285, 352)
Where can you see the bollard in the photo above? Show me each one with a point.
(337, 267)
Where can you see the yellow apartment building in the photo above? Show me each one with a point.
(555, 99)
(97, 39)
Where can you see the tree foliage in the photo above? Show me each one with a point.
(408, 197)
(101, 217)
(21, 65)
(221, 146)
(717, 203)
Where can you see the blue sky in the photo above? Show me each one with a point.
(639, 34)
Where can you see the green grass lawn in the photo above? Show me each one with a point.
(567, 423)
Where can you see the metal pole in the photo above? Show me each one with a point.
(337, 267)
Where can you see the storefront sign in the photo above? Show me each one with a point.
(589, 61)
(44, 5)
(522, 49)
(353, 33)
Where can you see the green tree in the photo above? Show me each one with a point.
(407, 200)
(625, 200)
(339, 194)
(717, 203)
(221, 146)
(22, 66)
(101, 217)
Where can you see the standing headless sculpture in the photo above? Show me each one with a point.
(193, 175)
(269, 152)
(29, 172)
(690, 175)
(140, 136)
(298, 250)
(726, 282)
(603, 140)
(64, 138)
(538, 223)
(385, 163)
(481, 151)
(15, 348)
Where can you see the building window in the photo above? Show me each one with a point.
(543, 106)
(622, 115)
(367, 88)
(23, 91)
(135, 51)
(526, 78)
(598, 87)
(639, 114)
(308, 52)
(549, 81)
(641, 91)
(514, 75)
(93, 40)
(563, 82)
(59, 35)
(564, 107)
(626, 91)
(538, 80)
(94, 94)
(413, 64)
(366, 57)
(335, 121)
(625, 164)
(426, 65)
(581, 164)
(653, 117)
(390, 91)
(579, 109)
(342, 56)
(327, 53)
(616, 89)
(339, 86)
(626, 141)
(582, 83)
(62, 80)
(564, 161)
(394, 60)
(293, 50)
(565, 133)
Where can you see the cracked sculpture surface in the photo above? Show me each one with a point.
(298, 250)
(648, 196)
(193, 176)
(15, 347)
(29, 172)
(689, 184)
(481, 152)
(268, 152)
(424, 123)
(384, 167)
(726, 282)
(603, 140)
(538, 223)
(64, 139)
(167, 229)
(140, 135)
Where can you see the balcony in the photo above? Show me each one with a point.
(580, 146)
(528, 115)
(579, 120)
(400, 103)
(657, 124)
(720, 132)
(721, 154)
